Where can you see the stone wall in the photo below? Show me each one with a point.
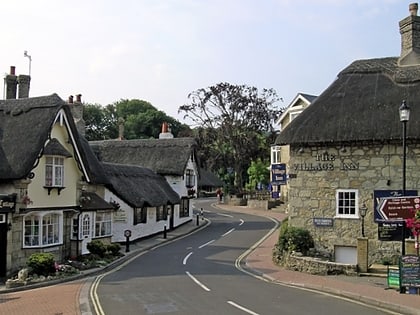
(316, 173)
(317, 266)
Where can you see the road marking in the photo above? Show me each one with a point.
(184, 262)
(198, 282)
(242, 222)
(228, 232)
(242, 308)
(225, 215)
(201, 246)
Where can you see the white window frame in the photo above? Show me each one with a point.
(54, 171)
(346, 201)
(103, 223)
(43, 233)
(275, 154)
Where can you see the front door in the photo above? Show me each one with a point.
(86, 231)
(3, 243)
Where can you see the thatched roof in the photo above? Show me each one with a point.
(91, 201)
(361, 105)
(164, 156)
(25, 126)
(209, 179)
(139, 186)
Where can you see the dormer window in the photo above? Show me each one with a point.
(189, 178)
(54, 171)
(55, 154)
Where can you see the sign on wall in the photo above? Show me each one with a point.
(400, 208)
(381, 194)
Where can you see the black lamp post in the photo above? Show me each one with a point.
(404, 117)
(362, 212)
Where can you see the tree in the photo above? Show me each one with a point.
(143, 120)
(140, 120)
(236, 118)
(258, 173)
(101, 123)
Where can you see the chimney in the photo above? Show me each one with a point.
(11, 84)
(410, 38)
(24, 84)
(76, 109)
(121, 128)
(166, 132)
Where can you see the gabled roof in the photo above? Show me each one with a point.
(139, 186)
(25, 127)
(163, 156)
(300, 102)
(361, 105)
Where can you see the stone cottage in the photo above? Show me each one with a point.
(346, 150)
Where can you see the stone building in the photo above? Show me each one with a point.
(346, 150)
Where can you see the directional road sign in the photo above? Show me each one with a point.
(399, 208)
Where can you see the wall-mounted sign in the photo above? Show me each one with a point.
(379, 194)
(7, 202)
(398, 208)
(323, 222)
(391, 231)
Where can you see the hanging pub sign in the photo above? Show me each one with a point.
(7, 203)
(278, 174)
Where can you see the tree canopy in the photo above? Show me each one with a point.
(235, 123)
(140, 120)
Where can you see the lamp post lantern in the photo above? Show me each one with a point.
(362, 212)
(404, 118)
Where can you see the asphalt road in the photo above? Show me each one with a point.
(202, 274)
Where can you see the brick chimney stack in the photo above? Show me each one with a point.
(166, 132)
(410, 38)
(11, 84)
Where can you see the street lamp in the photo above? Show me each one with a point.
(362, 211)
(404, 117)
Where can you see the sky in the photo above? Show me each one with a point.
(162, 50)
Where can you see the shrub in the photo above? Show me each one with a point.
(114, 249)
(295, 239)
(42, 263)
(97, 247)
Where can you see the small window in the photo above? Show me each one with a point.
(103, 223)
(189, 178)
(161, 213)
(140, 215)
(347, 206)
(275, 155)
(184, 208)
(54, 171)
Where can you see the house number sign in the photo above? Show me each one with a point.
(326, 162)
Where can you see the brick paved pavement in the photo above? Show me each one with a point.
(71, 298)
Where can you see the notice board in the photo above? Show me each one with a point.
(410, 271)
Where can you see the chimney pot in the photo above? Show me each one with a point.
(413, 8)
(71, 99)
(12, 70)
(79, 98)
(164, 127)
